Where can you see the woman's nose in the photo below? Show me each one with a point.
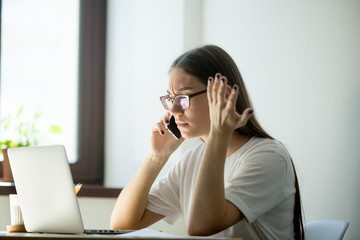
(176, 110)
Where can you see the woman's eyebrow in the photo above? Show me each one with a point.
(180, 90)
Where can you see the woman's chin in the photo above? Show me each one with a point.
(187, 135)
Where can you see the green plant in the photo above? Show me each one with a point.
(23, 129)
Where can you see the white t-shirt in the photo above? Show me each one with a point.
(259, 181)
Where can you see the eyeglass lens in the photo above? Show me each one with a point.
(181, 101)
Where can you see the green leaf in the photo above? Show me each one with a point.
(55, 129)
(11, 143)
(19, 111)
(7, 123)
(37, 115)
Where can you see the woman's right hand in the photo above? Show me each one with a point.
(163, 143)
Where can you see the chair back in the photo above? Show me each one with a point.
(325, 230)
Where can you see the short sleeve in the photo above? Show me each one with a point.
(164, 196)
(171, 195)
(262, 180)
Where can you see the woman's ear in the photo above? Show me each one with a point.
(228, 91)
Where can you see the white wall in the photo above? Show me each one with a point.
(4, 212)
(301, 63)
(142, 39)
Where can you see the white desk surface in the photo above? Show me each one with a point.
(140, 234)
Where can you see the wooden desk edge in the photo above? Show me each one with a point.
(87, 190)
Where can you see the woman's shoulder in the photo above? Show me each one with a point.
(265, 144)
(262, 150)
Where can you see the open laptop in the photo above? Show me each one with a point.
(46, 192)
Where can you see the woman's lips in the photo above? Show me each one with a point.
(181, 124)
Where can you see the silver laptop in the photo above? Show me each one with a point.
(45, 190)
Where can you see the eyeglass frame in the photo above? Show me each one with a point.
(182, 95)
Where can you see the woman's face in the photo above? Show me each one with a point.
(193, 121)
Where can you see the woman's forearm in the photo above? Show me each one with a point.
(131, 203)
(209, 204)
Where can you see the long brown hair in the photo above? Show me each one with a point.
(208, 60)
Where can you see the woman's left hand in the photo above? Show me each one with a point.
(222, 106)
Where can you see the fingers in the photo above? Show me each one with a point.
(244, 118)
(231, 106)
(160, 127)
(216, 89)
(221, 97)
(231, 101)
(222, 89)
(166, 118)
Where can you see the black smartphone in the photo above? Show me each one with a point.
(173, 129)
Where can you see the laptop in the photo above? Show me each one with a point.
(46, 192)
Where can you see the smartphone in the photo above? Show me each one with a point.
(173, 129)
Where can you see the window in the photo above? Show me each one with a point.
(87, 116)
(39, 68)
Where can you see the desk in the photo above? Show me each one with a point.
(147, 234)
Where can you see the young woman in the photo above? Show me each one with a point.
(239, 182)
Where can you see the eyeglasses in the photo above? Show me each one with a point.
(181, 101)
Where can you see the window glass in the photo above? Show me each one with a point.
(39, 66)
